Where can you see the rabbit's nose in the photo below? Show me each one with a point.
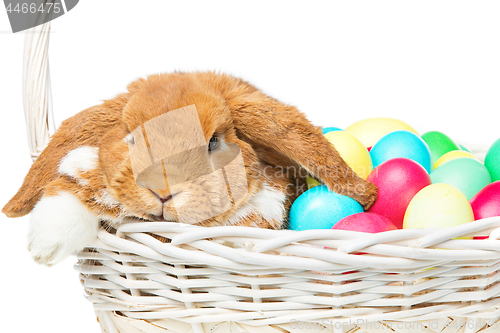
(163, 196)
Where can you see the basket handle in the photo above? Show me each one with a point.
(37, 93)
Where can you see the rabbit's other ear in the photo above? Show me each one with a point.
(262, 120)
(84, 129)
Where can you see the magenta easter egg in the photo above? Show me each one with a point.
(398, 180)
(486, 202)
(365, 222)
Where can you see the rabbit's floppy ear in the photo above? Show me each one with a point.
(84, 129)
(262, 120)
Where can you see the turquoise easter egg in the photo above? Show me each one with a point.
(462, 147)
(466, 174)
(401, 144)
(320, 208)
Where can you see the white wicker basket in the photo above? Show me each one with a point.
(160, 275)
(170, 277)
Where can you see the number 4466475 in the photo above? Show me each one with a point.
(33, 8)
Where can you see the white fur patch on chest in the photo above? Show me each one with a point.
(268, 203)
(78, 160)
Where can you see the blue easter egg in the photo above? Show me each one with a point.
(320, 208)
(401, 144)
(331, 129)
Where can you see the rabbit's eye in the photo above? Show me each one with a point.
(129, 139)
(213, 143)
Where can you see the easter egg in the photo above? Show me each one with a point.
(486, 203)
(311, 182)
(398, 180)
(466, 174)
(451, 155)
(492, 160)
(330, 129)
(439, 144)
(352, 151)
(462, 147)
(438, 206)
(320, 208)
(401, 144)
(365, 222)
(370, 130)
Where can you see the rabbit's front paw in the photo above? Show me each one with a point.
(60, 225)
(44, 252)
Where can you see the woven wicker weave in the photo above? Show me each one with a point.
(169, 277)
(174, 276)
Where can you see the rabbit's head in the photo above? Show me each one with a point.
(177, 155)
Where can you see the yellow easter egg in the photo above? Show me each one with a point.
(370, 130)
(311, 182)
(352, 151)
(438, 206)
(451, 155)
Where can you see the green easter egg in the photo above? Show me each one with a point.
(492, 161)
(466, 174)
(439, 144)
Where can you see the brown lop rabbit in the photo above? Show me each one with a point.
(86, 174)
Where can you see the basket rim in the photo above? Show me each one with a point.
(427, 236)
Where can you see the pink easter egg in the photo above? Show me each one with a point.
(365, 222)
(486, 202)
(398, 180)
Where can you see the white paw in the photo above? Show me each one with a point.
(60, 226)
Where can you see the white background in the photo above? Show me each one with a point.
(433, 64)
